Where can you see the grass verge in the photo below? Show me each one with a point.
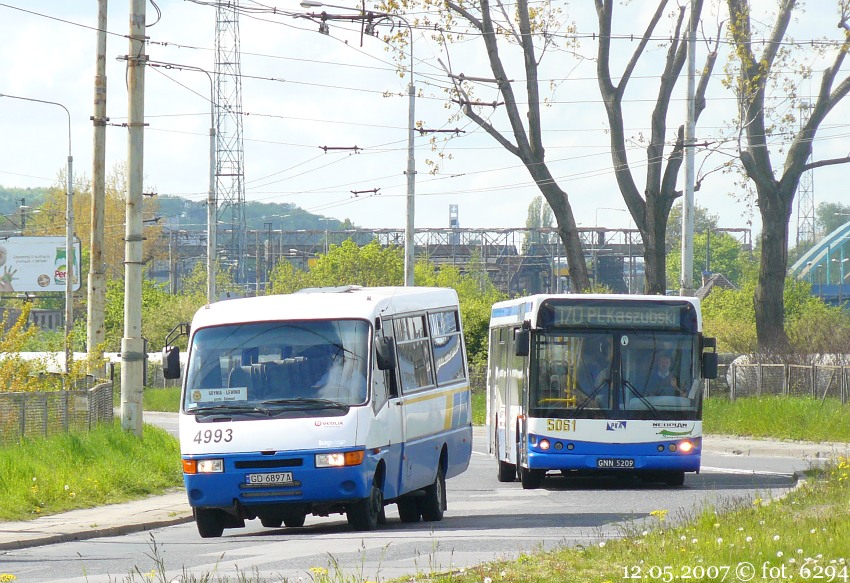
(46, 475)
(803, 536)
(159, 399)
(800, 418)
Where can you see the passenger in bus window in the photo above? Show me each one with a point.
(595, 371)
(662, 382)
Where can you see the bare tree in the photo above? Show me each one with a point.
(775, 190)
(650, 209)
(522, 29)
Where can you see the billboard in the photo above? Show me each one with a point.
(36, 264)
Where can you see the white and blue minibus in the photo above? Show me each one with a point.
(328, 400)
(597, 383)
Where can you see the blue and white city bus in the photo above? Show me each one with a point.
(332, 400)
(597, 383)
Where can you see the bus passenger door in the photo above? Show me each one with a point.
(500, 398)
(389, 416)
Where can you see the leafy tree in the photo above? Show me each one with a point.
(725, 256)
(831, 215)
(161, 310)
(476, 296)
(811, 325)
(704, 220)
(751, 77)
(51, 221)
(539, 216)
(371, 265)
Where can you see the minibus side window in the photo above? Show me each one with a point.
(414, 353)
(447, 344)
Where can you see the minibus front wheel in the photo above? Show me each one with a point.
(365, 514)
(210, 522)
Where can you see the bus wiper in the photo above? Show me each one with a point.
(639, 395)
(592, 395)
(227, 408)
(308, 402)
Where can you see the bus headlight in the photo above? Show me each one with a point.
(210, 466)
(544, 444)
(686, 447)
(339, 459)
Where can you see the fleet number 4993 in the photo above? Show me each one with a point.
(560, 424)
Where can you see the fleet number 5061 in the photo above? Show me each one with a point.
(561, 424)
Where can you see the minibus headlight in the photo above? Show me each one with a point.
(339, 459)
(211, 466)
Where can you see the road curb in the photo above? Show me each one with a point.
(37, 540)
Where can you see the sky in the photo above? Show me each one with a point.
(302, 91)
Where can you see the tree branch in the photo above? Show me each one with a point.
(491, 131)
(627, 73)
(822, 163)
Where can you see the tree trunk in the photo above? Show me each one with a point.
(775, 207)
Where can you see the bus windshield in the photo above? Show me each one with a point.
(640, 374)
(268, 366)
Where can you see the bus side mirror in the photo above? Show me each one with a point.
(171, 362)
(709, 359)
(521, 342)
(385, 353)
(709, 365)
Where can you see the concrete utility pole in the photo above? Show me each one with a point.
(132, 344)
(95, 331)
(687, 285)
(70, 254)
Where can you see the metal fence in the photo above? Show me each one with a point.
(795, 380)
(50, 412)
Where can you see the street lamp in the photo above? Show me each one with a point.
(411, 90)
(212, 194)
(69, 235)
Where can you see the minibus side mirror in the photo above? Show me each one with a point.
(385, 353)
(521, 342)
(171, 362)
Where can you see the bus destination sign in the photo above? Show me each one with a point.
(666, 317)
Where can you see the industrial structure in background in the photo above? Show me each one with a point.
(517, 260)
(230, 152)
(806, 234)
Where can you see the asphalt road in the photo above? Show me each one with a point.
(486, 520)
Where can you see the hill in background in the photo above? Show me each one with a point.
(183, 213)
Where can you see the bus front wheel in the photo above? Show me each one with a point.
(364, 514)
(210, 522)
(674, 478)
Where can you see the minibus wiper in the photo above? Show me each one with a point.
(307, 401)
(227, 408)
